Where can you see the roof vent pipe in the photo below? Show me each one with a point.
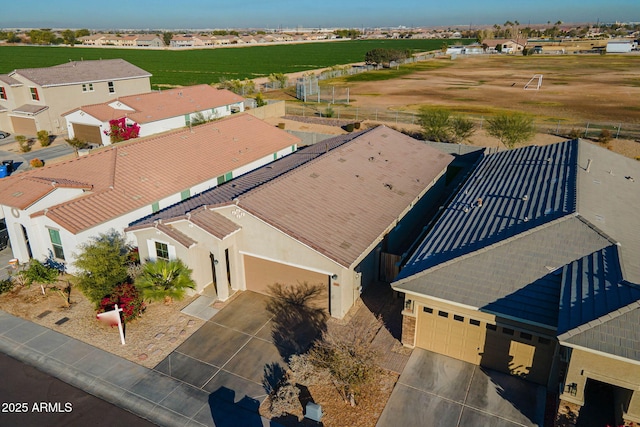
(588, 165)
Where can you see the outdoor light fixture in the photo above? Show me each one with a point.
(215, 262)
(334, 277)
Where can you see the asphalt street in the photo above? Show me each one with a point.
(29, 397)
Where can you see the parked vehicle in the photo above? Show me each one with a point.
(4, 235)
(3, 134)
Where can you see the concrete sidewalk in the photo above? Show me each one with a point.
(161, 399)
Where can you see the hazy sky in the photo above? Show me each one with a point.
(163, 14)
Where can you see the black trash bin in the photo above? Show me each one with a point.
(9, 165)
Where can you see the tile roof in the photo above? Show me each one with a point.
(518, 277)
(154, 106)
(342, 202)
(75, 72)
(213, 223)
(518, 189)
(478, 252)
(129, 176)
(229, 191)
(5, 78)
(176, 235)
(30, 109)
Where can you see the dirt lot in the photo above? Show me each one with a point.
(575, 87)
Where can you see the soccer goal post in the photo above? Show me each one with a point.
(535, 83)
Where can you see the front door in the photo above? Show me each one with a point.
(213, 271)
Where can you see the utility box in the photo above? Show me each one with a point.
(313, 412)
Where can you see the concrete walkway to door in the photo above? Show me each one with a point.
(436, 390)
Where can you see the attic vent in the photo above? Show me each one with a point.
(384, 135)
(389, 186)
(17, 194)
(548, 211)
(314, 175)
(137, 197)
(341, 160)
(122, 154)
(600, 218)
(345, 245)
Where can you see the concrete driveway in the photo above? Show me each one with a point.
(436, 390)
(230, 354)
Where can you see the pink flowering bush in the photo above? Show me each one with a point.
(128, 299)
(119, 130)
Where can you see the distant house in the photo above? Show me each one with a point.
(182, 41)
(154, 112)
(504, 45)
(57, 208)
(33, 99)
(326, 215)
(532, 269)
(149, 40)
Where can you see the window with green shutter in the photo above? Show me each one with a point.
(185, 194)
(155, 207)
(228, 176)
(221, 179)
(187, 120)
(56, 243)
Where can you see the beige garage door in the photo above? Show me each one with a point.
(24, 126)
(450, 334)
(87, 133)
(496, 347)
(260, 273)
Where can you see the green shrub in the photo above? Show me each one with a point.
(43, 137)
(6, 285)
(605, 136)
(24, 143)
(329, 112)
(349, 127)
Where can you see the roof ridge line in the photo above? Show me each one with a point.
(304, 165)
(600, 320)
(485, 248)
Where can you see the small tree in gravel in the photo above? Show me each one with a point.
(462, 128)
(24, 143)
(349, 357)
(511, 128)
(43, 137)
(435, 124)
(102, 265)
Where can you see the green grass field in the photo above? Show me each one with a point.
(189, 67)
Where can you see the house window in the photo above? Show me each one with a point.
(458, 318)
(491, 327)
(155, 207)
(56, 243)
(508, 331)
(3, 93)
(443, 314)
(185, 194)
(474, 322)
(87, 87)
(34, 94)
(162, 251)
(187, 120)
(427, 310)
(112, 88)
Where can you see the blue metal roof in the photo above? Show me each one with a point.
(593, 287)
(230, 190)
(509, 193)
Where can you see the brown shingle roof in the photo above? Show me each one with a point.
(343, 202)
(130, 176)
(150, 107)
(5, 78)
(82, 72)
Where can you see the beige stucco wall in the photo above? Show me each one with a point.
(62, 99)
(587, 364)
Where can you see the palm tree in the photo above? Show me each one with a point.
(164, 280)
